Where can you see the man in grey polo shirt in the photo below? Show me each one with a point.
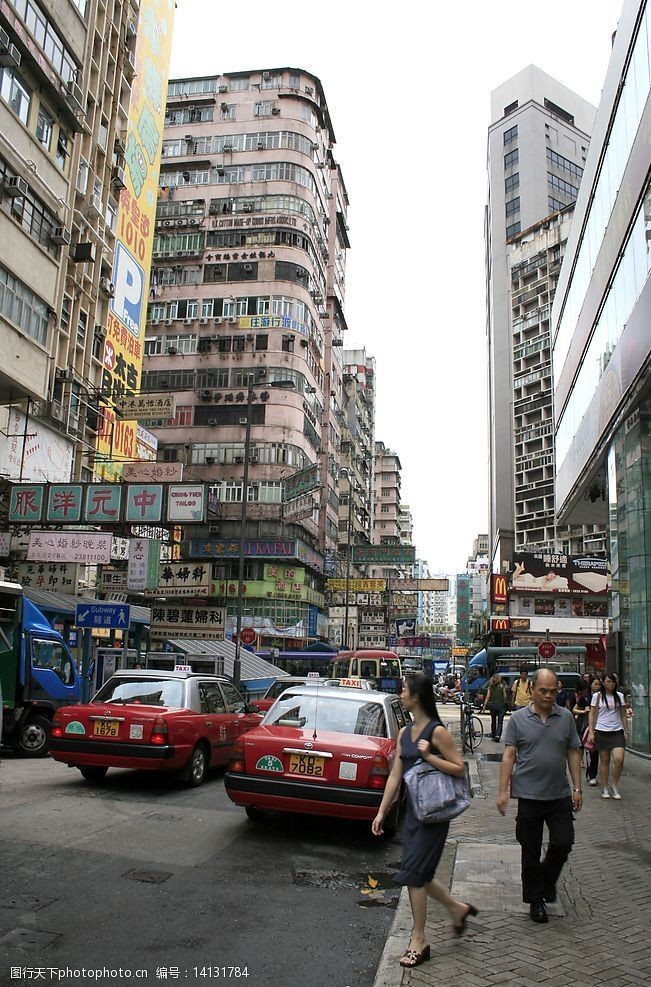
(541, 742)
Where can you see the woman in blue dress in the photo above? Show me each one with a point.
(424, 739)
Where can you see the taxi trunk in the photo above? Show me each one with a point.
(322, 772)
(113, 735)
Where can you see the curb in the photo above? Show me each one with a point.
(389, 972)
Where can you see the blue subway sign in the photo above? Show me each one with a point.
(114, 616)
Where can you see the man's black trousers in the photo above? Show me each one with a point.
(539, 877)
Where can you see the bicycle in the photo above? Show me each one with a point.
(472, 729)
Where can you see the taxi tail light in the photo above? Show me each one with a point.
(379, 772)
(57, 728)
(236, 760)
(159, 733)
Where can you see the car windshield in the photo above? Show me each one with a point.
(327, 712)
(389, 668)
(144, 691)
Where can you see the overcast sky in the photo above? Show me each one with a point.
(408, 87)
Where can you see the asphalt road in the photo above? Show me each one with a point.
(142, 874)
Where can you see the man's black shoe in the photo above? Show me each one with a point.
(538, 912)
(550, 896)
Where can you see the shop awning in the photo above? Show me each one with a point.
(253, 669)
(63, 605)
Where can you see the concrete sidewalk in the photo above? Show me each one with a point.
(599, 931)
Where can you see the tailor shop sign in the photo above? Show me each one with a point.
(179, 622)
(224, 549)
(108, 503)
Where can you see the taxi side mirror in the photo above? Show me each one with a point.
(252, 708)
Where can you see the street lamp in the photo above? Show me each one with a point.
(287, 385)
(344, 471)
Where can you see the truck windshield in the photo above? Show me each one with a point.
(146, 691)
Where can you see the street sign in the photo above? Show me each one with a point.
(107, 615)
(247, 635)
(547, 650)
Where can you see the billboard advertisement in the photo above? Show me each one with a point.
(30, 450)
(117, 439)
(576, 574)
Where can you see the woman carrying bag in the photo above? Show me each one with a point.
(424, 739)
(496, 703)
(609, 730)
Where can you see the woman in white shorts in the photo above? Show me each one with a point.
(608, 730)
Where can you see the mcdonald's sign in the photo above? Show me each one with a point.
(500, 588)
(500, 624)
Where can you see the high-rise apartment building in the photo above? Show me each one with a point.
(247, 288)
(386, 519)
(356, 455)
(602, 354)
(537, 146)
(534, 258)
(66, 70)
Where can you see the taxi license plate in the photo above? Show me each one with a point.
(306, 764)
(106, 728)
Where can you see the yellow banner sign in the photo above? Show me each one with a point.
(358, 585)
(123, 349)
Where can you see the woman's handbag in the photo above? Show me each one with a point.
(588, 745)
(435, 796)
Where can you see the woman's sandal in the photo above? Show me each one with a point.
(461, 927)
(412, 958)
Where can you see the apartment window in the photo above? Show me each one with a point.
(15, 93)
(262, 109)
(511, 158)
(512, 182)
(44, 128)
(559, 112)
(183, 416)
(561, 162)
(511, 134)
(560, 185)
(262, 306)
(554, 205)
(153, 345)
(227, 111)
(63, 149)
(22, 307)
(182, 344)
(238, 344)
(513, 206)
(511, 107)
(271, 80)
(262, 342)
(239, 85)
(513, 230)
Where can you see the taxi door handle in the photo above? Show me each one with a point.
(208, 723)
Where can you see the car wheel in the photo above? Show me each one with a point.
(253, 813)
(93, 773)
(34, 737)
(197, 767)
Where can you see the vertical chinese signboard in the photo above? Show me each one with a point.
(123, 350)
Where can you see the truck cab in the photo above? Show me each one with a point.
(37, 673)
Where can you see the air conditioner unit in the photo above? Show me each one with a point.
(248, 268)
(212, 421)
(129, 64)
(120, 148)
(239, 459)
(188, 322)
(232, 320)
(95, 203)
(107, 287)
(154, 322)
(224, 107)
(181, 222)
(254, 459)
(276, 111)
(227, 147)
(194, 221)
(221, 171)
(172, 351)
(247, 207)
(218, 321)
(168, 222)
(223, 89)
(209, 460)
(262, 146)
(320, 164)
(60, 235)
(101, 332)
(212, 339)
(203, 321)
(169, 322)
(213, 529)
(15, 186)
(242, 422)
(9, 54)
(75, 96)
(204, 395)
(250, 337)
(309, 90)
(118, 178)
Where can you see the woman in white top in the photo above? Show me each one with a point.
(608, 727)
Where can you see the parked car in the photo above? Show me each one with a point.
(287, 682)
(324, 752)
(155, 721)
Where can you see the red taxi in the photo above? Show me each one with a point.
(325, 752)
(155, 721)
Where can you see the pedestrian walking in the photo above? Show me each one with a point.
(609, 731)
(425, 738)
(541, 742)
(581, 713)
(495, 702)
(521, 691)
